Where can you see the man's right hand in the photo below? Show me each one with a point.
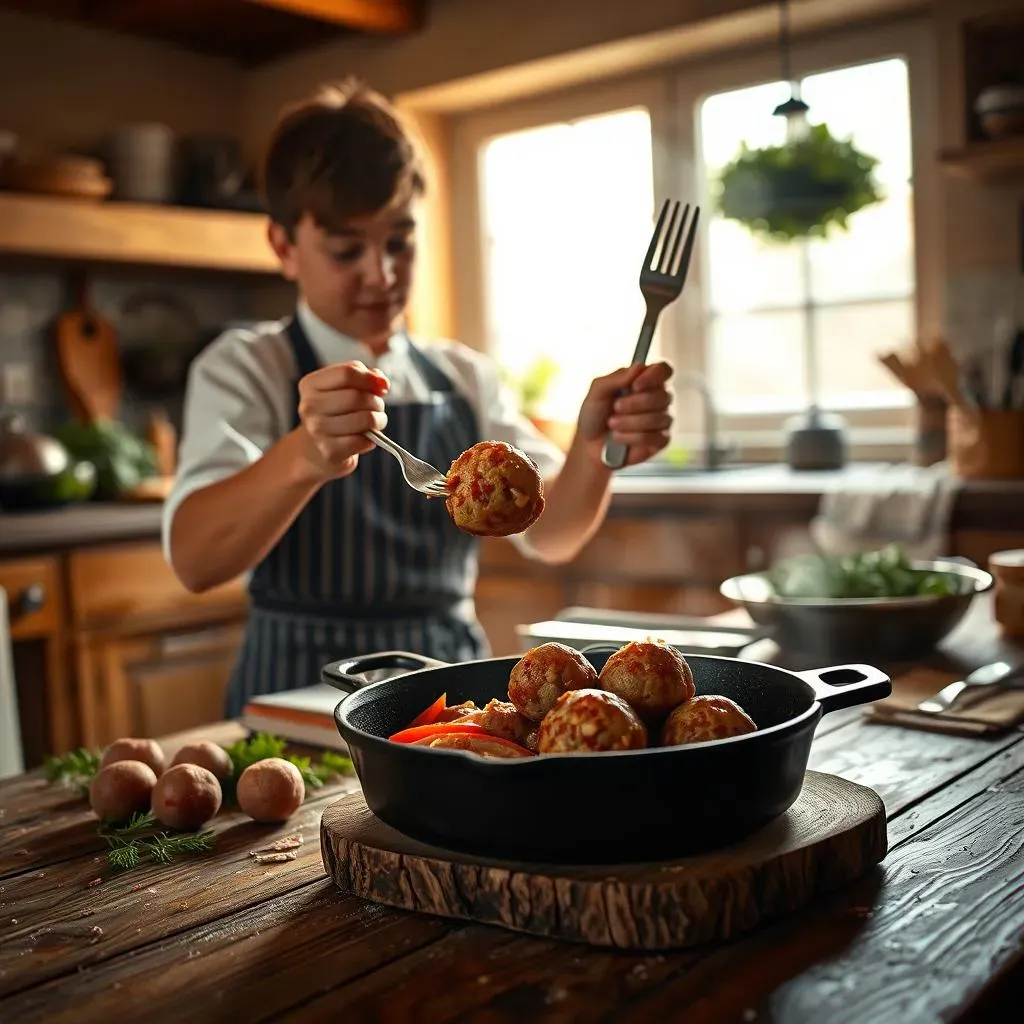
(336, 405)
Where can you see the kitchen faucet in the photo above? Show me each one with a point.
(713, 454)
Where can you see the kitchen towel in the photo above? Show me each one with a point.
(987, 716)
(904, 504)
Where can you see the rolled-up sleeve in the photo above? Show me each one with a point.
(236, 406)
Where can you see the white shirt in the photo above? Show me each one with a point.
(241, 399)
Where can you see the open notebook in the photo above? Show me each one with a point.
(305, 715)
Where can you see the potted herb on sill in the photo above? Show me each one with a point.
(532, 387)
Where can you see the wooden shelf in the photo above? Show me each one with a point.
(987, 160)
(48, 227)
(247, 31)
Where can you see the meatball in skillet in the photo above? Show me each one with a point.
(587, 721)
(543, 674)
(704, 718)
(500, 718)
(650, 676)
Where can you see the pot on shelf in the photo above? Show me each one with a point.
(36, 470)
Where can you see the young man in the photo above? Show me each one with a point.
(276, 477)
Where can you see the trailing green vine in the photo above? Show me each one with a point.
(799, 189)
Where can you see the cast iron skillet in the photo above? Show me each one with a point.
(586, 808)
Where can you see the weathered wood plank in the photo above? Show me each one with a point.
(902, 936)
(916, 944)
(900, 765)
(300, 958)
(48, 917)
(252, 964)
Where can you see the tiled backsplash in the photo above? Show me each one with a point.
(975, 300)
(31, 302)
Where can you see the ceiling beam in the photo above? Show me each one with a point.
(389, 17)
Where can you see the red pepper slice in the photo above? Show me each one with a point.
(419, 732)
(487, 738)
(431, 714)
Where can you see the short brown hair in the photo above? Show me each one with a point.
(338, 154)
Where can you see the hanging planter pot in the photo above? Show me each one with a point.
(800, 189)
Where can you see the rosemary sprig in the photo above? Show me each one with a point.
(75, 768)
(141, 838)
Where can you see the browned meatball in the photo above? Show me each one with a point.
(650, 676)
(704, 718)
(584, 721)
(500, 718)
(542, 675)
(494, 490)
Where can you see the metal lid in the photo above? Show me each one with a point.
(24, 455)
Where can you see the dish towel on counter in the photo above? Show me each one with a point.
(995, 714)
(904, 504)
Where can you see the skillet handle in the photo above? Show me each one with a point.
(845, 686)
(348, 674)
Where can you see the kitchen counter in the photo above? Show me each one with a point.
(991, 505)
(929, 936)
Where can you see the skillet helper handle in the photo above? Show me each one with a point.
(348, 674)
(845, 686)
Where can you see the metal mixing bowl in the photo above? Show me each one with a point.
(872, 629)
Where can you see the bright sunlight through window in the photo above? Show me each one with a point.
(567, 211)
(856, 287)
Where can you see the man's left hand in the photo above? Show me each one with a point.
(641, 419)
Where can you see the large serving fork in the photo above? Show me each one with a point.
(419, 475)
(661, 282)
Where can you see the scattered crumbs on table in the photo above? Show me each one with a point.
(136, 887)
(291, 842)
(93, 883)
(97, 931)
(86, 913)
(273, 858)
(21, 853)
(483, 979)
(14, 920)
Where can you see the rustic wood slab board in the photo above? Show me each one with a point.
(832, 835)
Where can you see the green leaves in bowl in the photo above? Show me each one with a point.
(886, 573)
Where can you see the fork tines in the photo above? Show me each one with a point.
(663, 256)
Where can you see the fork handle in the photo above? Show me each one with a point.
(614, 454)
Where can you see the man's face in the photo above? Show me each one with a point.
(355, 277)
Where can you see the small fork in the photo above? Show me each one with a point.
(660, 284)
(419, 475)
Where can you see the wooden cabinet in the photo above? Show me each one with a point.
(153, 683)
(36, 607)
(108, 643)
(150, 657)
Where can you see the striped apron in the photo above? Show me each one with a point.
(369, 564)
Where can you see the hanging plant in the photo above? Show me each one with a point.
(799, 189)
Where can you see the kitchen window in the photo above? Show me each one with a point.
(555, 200)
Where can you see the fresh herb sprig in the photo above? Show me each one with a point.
(75, 768)
(261, 745)
(142, 839)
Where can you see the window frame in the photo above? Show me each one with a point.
(672, 95)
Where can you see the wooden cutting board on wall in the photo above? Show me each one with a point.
(832, 835)
(90, 365)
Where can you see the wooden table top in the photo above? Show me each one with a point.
(934, 933)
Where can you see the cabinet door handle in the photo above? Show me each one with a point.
(31, 599)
